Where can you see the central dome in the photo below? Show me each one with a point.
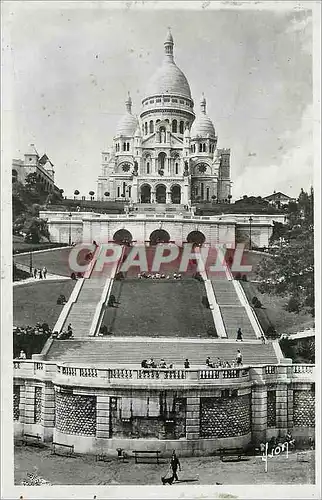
(168, 79)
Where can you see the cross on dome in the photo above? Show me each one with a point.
(168, 45)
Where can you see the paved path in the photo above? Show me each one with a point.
(50, 277)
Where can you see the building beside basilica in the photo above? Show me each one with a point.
(168, 155)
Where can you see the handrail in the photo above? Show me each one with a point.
(67, 307)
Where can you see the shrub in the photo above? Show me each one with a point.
(205, 301)
(244, 277)
(212, 332)
(271, 332)
(293, 305)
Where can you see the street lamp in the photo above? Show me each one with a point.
(70, 228)
(30, 263)
(250, 232)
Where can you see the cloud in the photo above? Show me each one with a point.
(294, 169)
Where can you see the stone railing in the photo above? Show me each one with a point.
(65, 373)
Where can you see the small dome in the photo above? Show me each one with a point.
(203, 126)
(127, 125)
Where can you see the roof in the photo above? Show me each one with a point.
(127, 125)
(277, 196)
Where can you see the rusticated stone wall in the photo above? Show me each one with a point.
(271, 408)
(225, 416)
(16, 402)
(38, 395)
(148, 418)
(76, 414)
(303, 408)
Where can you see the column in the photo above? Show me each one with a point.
(259, 413)
(152, 196)
(289, 408)
(193, 417)
(281, 407)
(48, 411)
(29, 413)
(168, 196)
(103, 417)
(185, 192)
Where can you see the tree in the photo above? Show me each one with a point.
(290, 272)
(76, 193)
(36, 229)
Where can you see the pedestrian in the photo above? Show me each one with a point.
(239, 335)
(35, 272)
(208, 361)
(22, 355)
(186, 363)
(69, 328)
(44, 272)
(239, 358)
(40, 274)
(174, 464)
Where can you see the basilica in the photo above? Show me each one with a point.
(169, 154)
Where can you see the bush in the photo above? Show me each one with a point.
(256, 303)
(205, 302)
(212, 332)
(293, 305)
(271, 332)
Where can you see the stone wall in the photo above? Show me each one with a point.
(16, 402)
(271, 408)
(76, 414)
(303, 408)
(225, 417)
(38, 396)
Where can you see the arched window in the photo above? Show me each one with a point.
(151, 128)
(200, 148)
(202, 190)
(176, 168)
(161, 161)
(146, 128)
(124, 146)
(148, 167)
(124, 188)
(174, 126)
(181, 127)
(166, 120)
(130, 188)
(118, 191)
(207, 191)
(127, 146)
(157, 121)
(204, 147)
(142, 129)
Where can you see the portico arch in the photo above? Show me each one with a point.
(175, 194)
(160, 193)
(145, 193)
(196, 237)
(159, 236)
(122, 236)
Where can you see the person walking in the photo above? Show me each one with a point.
(174, 464)
(40, 274)
(35, 272)
(44, 272)
(187, 363)
(239, 335)
(239, 358)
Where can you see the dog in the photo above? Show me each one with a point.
(167, 480)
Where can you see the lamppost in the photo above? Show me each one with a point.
(250, 232)
(30, 263)
(70, 215)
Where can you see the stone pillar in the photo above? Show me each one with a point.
(29, 413)
(152, 196)
(22, 403)
(48, 411)
(290, 407)
(168, 196)
(259, 413)
(103, 417)
(281, 408)
(185, 192)
(193, 417)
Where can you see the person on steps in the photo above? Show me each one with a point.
(239, 335)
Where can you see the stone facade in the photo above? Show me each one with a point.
(195, 415)
(225, 417)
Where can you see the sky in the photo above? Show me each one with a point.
(69, 66)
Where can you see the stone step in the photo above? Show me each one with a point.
(108, 351)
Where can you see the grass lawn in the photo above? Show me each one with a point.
(155, 307)
(56, 261)
(83, 470)
(20, 245)
(283, 321)
(33, 302)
